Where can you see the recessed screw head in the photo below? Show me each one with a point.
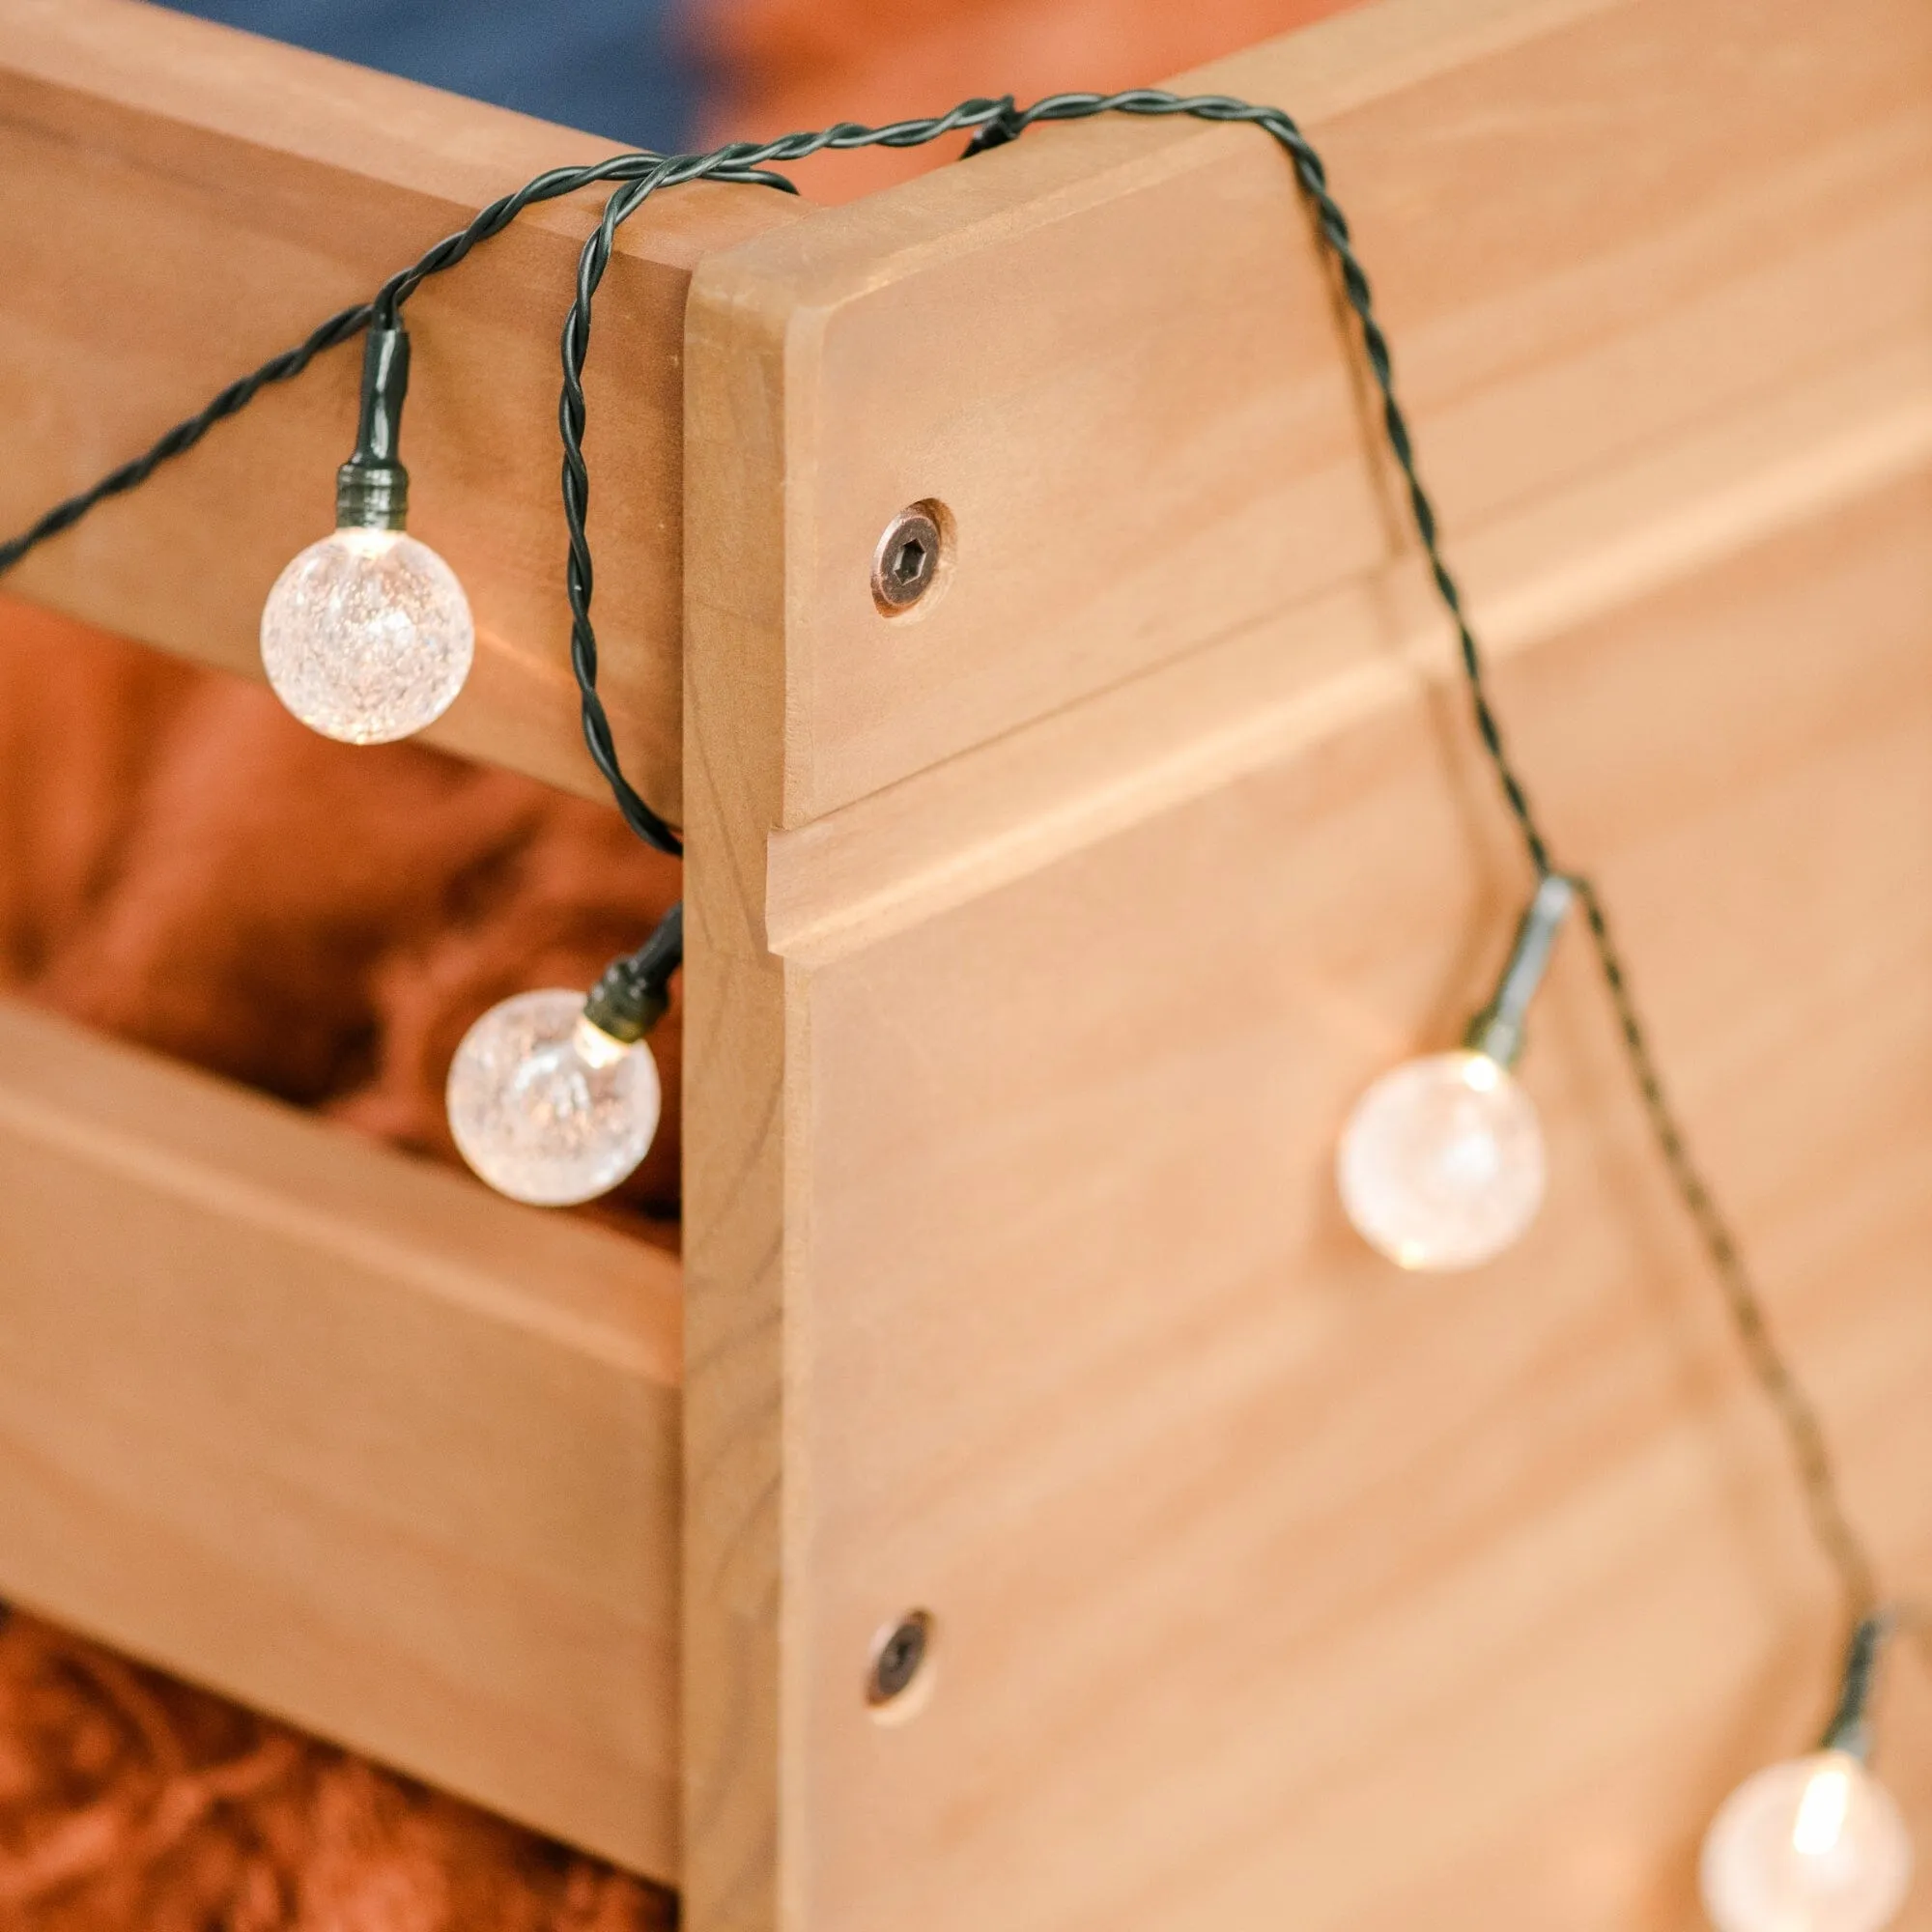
(898, 1659)
(906, 561)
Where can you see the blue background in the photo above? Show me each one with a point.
(614, 68)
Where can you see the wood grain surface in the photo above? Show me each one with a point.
(1271, 1586)
(1594, 230)
(737, 1220)
(1271, 1582)
(1038, 942)
(185, 200)
(341, 1435)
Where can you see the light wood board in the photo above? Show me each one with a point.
(341, 1435)
(1111, 349)
(185, 200)
(1271, 1584)
(1271, 1587)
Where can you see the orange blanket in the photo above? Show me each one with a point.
(132, 1804)
(184, 865)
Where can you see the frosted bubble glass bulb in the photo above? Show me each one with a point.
(367, 635)
(546, 1108)
(1814, 1845)
(1441, 1163)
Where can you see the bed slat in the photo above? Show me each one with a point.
(341, 1435)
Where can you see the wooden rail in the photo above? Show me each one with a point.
(183, 201)
(341, 1435)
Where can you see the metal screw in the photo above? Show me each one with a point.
(898, 1659)
(906, 561)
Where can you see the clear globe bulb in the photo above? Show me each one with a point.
(1441, 1163)
(367, 635)
(546, 1108)
(1812, 1845)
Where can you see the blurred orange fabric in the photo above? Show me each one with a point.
(132, 1804)
(183, 865)
(793, 64)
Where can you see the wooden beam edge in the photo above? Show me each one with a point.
(342, 1435)
(1234, 704)
(606, 1296)
(104, 60)
(1315, 72)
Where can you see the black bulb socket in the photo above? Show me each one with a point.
(1498, 1031)
(634, 993)
(372, 489)
(623, 1006)
(1849, 1728)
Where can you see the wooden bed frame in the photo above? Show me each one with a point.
(1039, 941)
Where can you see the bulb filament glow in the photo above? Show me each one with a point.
(595, 1047)
(1821, 1812)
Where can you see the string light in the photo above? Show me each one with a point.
(1815, 1844)
(1812, 1845)
(367, 635)
(553, 1096)
(1441, 1165)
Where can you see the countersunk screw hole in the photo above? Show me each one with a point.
(899, 1666)
(909, 557)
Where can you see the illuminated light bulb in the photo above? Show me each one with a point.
(553, 1096)
(547, 1108)
(367, 635)
(1441, 1164)
(1812, 1845)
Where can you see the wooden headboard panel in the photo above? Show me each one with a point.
(1271, 1587)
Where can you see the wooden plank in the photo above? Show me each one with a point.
(739, 1320)
(1265, 1584)
(1279, 688)
(182, 202)
(1270, 1583)
(1605, 228)
(341, 1435)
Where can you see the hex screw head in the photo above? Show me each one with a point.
(906, 562)
(898, 1659)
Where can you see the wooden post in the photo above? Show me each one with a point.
(1042, 938)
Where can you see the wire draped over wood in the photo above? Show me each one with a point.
(992, 123)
